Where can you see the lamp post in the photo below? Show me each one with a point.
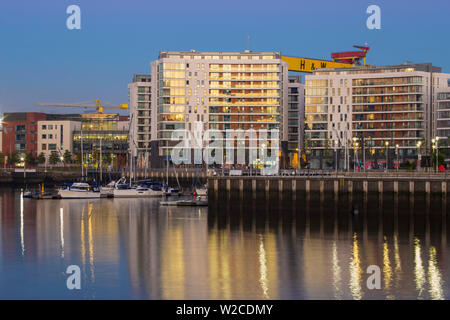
(396, 152)
(354, 153)
(22, 159)
(387, 155)
(436, 147)
(419, 144)
(335, 151)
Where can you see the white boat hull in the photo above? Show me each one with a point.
(134, 193)
(75, 194)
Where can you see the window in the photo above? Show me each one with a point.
(50, 136)
(52, 146)
(44, 127)
(44, 146)
(44, 136)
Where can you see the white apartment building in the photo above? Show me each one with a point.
(443, 123)
(296, 116)
(386, 108)
(223, 90)
(56, 135)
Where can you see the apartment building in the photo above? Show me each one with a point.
(56, 135)
(443, 123)
(388, 109)
(140, 98)
(222, 90)
(296, 115)
(20, 132)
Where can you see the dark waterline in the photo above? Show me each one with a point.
(252, 249)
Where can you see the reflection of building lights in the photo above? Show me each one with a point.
(434, 277)
(336, 273)
(387, 270)
(398, 265)
(61, 219)
(419, 273)
(355, 270)
(263, 268)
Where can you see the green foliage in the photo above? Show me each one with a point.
(67, 157)
(54, 157)
(41, 158)
(29, 159)
(13, 158)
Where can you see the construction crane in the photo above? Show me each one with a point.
(352, 57)
(340, 60)
(97, 104)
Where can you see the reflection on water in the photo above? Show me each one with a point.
(133, 248)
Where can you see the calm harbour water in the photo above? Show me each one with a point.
(136, 249)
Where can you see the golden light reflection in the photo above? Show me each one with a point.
(419, 272)
(336, 273)
(355, 270)
(219, 269)
(22, 241)
(434, 277)
(61, 230)
(263, 268)
(387, 270)
(173, 264)
(398, 263)
(91, 242)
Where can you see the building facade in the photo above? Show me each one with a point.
(20, 133)
(222, 90)
(106, 131)
(56, 135)
(370, 111)
(443, 123)
(296, 115)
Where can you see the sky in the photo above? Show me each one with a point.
(41, 60)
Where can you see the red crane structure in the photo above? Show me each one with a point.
(351, 57)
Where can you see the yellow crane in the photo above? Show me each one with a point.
(97, 104)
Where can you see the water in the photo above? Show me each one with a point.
(135, 249)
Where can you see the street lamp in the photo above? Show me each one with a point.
(419, 144)
(396, 152)
(22, 159)
(335, 151)
(387, 154)
(436, 146)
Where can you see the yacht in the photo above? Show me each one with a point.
(146, 189)
(108, 190)
(201, 191)
(78, 190)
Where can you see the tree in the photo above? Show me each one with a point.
(13, 158)
(30, 160)
(41, 158)
(67, 157)
(54, 157)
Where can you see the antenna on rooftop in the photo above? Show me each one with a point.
(248, 43)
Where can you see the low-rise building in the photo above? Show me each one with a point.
(20, 133)
(56, 135)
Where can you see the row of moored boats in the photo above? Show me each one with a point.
(122, 189)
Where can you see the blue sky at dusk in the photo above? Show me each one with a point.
(41, 60)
